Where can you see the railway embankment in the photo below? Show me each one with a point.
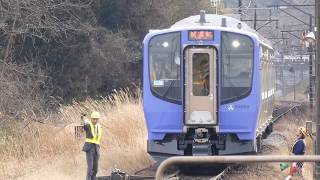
(279, 142)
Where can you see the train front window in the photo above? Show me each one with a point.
(164, 66)
(237, 66)
(200, 74)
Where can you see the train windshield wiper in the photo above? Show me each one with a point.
(168, 88)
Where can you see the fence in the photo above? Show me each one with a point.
(230, 159)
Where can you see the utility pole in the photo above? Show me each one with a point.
(317, 168)
(281, 69)
(215, 5)
(240, 8)
(293, 71)
(310, 49)
(255, 17)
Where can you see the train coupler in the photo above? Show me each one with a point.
(201, 149)
(201, 145)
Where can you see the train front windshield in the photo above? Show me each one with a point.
(237, 66)
(164, 66)
(237, 55)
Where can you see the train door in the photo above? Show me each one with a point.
(200, 86)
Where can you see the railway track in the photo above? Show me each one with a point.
(217, 174)
(177, 174)
(222, 174)
(284, 108)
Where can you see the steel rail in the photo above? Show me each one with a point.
(261, 130)
(230, 159)
(222, 174)
(131, 177)
(173, 175)
(274, 119)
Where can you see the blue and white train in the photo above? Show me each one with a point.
(208, 87)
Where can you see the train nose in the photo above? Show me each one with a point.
(201, 117)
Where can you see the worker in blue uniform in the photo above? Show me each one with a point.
(91, 146)
(298, 148)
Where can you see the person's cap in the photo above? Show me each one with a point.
(303, 130)
(95, 115)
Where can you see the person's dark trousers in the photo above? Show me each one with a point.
(92, 156)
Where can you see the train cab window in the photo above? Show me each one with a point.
(237, 66)
(200, 74)
(164, 66)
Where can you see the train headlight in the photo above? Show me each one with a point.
(165, 44)
(235, 43)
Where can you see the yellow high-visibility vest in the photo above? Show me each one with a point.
(96, 137)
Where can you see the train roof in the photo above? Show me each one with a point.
(215, 20)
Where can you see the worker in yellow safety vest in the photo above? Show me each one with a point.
(91, 146)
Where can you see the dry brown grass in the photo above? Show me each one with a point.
(52, 151)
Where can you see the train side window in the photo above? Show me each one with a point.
(200, 74)
(164, 66)
(237, 66)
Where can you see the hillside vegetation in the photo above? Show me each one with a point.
(54, 52)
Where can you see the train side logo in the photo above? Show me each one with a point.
(230, 107)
